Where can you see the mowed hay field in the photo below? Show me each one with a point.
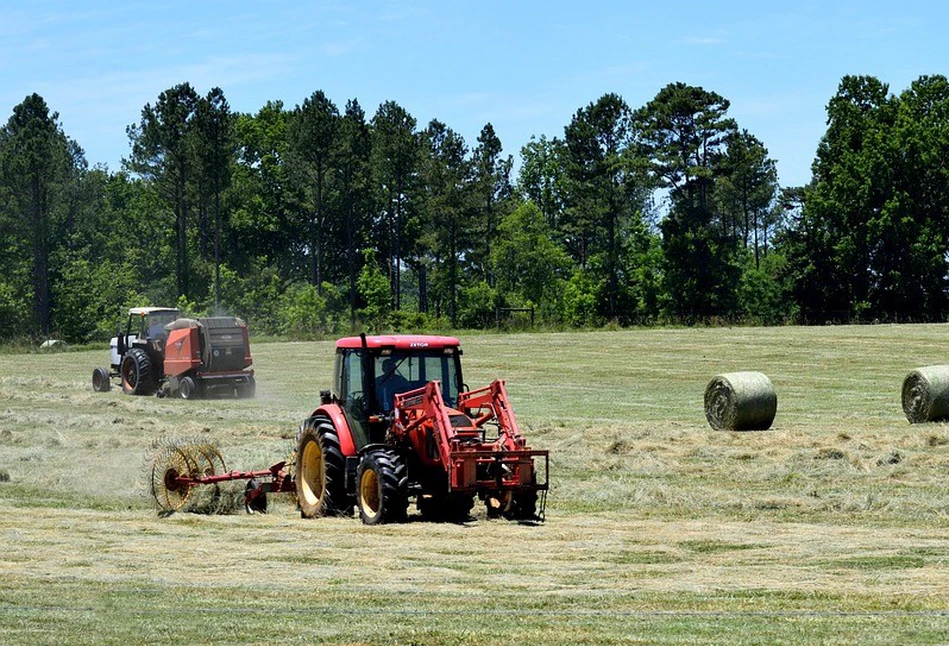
(832, 527)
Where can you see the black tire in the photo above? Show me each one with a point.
(496, 504)
(138, 377)
(382, 488)
(523, 506)
(188, 388)
(247, 389)
(320, 471)
(101, 383)
(255, 498)
(447, 507)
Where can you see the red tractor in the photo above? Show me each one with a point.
(398, 423)
(159, 352)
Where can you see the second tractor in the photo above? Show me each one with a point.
(159, 352)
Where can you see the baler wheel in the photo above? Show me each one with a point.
(188, 388)
(382, 488)
(248, 389)
(172, 462)
(136, 371)
(320, 470)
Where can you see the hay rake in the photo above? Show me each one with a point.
(175, 468)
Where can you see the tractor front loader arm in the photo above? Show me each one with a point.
(491, 402)
(422, 417)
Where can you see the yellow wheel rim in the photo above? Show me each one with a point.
(369, 498)
(173, 462)
(312, 476)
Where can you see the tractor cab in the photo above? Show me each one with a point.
(145, 328)
(371, 370)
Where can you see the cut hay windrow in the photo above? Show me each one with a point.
(926, 394)
(740, 401)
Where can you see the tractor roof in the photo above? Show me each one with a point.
(401, 342)
(151, 310)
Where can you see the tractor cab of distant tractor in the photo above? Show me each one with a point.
(136, 352)
(145, 328)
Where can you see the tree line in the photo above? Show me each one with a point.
(320, 219)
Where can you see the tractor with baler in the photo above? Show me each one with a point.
(160, 352)
(398, 424)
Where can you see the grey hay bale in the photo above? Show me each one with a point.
(740, 401)
(926, 394)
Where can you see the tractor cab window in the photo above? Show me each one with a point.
(157, 322)
(400, 372)
(138, 325)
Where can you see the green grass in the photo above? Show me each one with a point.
(832, 527)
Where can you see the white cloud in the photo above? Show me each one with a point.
(701, 40)
(340, 49)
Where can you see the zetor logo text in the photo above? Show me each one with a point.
(418, 344)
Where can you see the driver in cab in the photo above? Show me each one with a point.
(389, 383)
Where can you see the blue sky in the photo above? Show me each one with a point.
(526, 67)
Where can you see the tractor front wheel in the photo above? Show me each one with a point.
(382, 489)
(320, 470)
(100, 380)
(137, 374)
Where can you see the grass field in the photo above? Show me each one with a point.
(832, 527)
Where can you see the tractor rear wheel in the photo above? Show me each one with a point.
(100, 380)
(382, 488)
(320, 471)
(137, 374)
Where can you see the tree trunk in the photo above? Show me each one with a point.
(40, 258)
(181, 220)
(453, 274)
(217, 252)
(422, 289)
(757, 259)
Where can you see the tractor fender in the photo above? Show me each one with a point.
(340, 423)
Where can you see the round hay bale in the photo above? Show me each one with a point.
(740, 401)
(926, 394)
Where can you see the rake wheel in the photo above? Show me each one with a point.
(211, 459)
(170, 463)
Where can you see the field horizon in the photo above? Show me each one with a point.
(831, 527)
